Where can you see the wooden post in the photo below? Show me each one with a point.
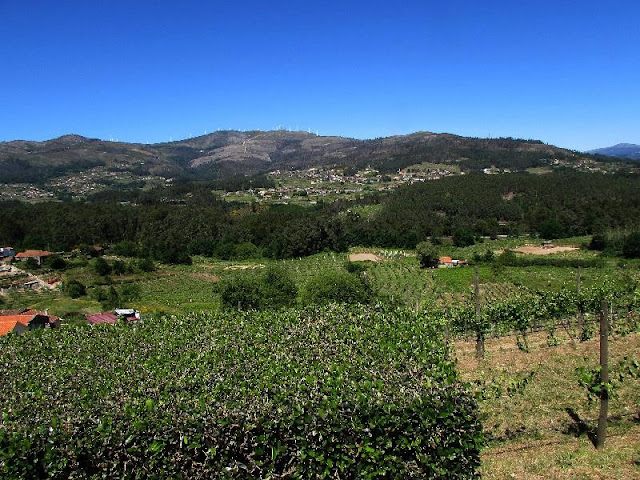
(580, 314)
(479, 332)
(604, 375)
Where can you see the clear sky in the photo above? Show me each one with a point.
(564, 71)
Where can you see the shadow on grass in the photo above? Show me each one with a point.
(580, 427)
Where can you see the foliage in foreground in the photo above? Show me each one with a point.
(331, 392)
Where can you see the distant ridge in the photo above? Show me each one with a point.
(621, 150)
(229, 153)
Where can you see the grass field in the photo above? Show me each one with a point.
(545, 429)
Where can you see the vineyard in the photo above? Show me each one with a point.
(395, 389)
(358, 392)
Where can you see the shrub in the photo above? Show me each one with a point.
(56, 262)
(598, 242)
(332, 392)
(126, 248)
(271, 289)
(463, 237)
(335, 286)
(427, 255)
(631, 246)
(277, 288)
(74, 289)
(355, 267)
(146, 265)
(119, 267)
(101, 267)
(246, 250)
(31, 264)
(242, 292)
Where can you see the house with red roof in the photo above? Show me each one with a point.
(127, 314)
(104, 317)
(24, 320)
(448, 262)
(38, 255)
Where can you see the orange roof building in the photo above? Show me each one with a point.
(26, 321)
(39, 255)
(14, 323)
(33, 254)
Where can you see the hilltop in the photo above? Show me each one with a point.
(621, 150)
(230, 153)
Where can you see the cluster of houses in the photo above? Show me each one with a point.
(22, 320)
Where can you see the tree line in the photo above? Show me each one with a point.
(190, 219)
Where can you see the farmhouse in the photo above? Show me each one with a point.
(128, 314)
(38, 255)
(24, 320)
(448, 262)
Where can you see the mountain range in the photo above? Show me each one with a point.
(621, 150)
(224, 154)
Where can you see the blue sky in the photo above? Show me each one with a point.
(565, 72)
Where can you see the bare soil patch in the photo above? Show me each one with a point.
(244, 267)
(364, 257)
(206, 276)
(539, 250)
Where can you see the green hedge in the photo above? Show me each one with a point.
(330, 392)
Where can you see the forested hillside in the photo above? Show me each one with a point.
(191, 219)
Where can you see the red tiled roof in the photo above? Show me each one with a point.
(106, 317)
(9, 322)
(445, 260)
(24, 319)
(33, 253)
(6, 327)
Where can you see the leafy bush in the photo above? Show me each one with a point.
(146, 265)
(427, 255)
(463, 237)
(242, 292)
(125, 248)
(101, 267)
(31, 264)
(355, 267)
(56, 262)
(246, 250)
(335, 286)
(333, 392)
(598, 242)
(74, 289)
(271, 289)
(631, 247)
